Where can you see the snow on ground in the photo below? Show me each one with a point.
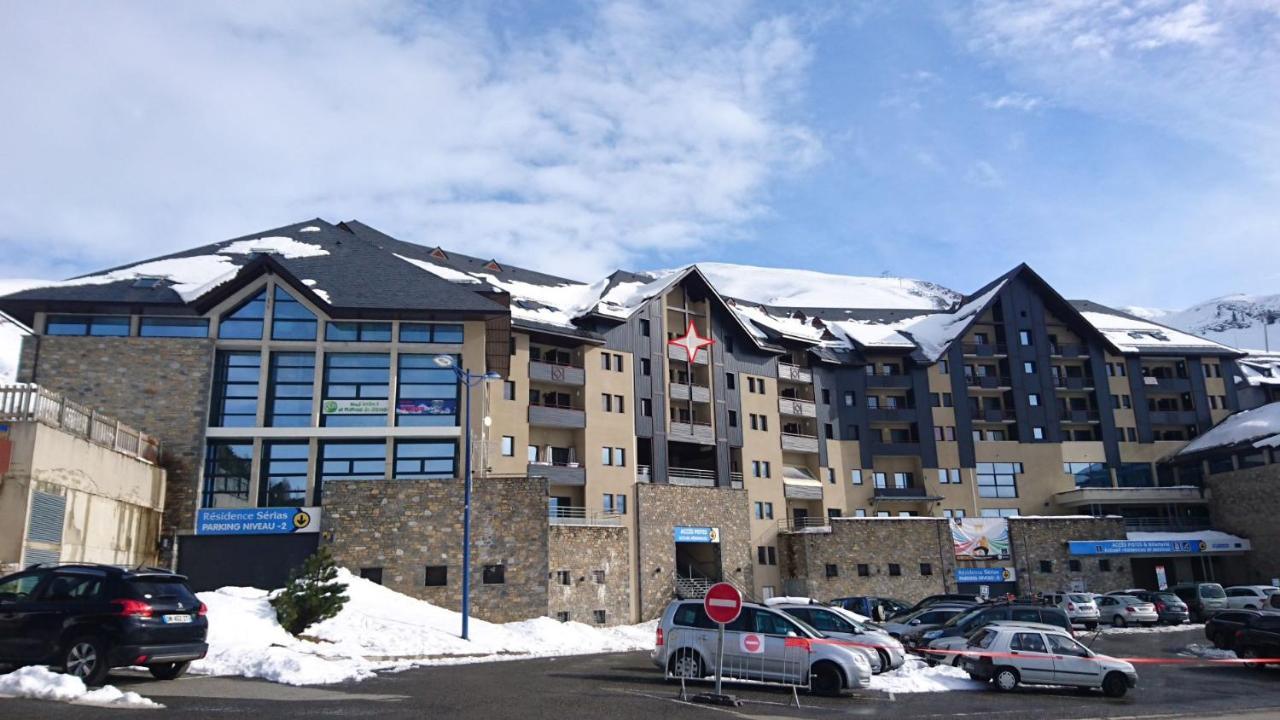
(1154, 629)
(40, 683)
(915, 676)
(1207, 651)
(380, 629)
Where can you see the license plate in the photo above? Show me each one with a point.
(176, 619)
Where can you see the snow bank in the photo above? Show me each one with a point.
(1155, 629)
(916, 677)
(380, 629)
(39, 683)
(1206, 651)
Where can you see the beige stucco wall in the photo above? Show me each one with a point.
(766, 446)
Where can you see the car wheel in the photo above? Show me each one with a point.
(1117, 621)
(825, 679)
(1114, 685)
(168, 671)
(1005, 679)
(86, 658)
(686, 664)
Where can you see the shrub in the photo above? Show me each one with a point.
(313, 594)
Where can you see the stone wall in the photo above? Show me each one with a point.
(404, 526)
(1045, 539)
(1247, 503)
(661, 508)
(877, 543)
(590, 555)
(158, 385)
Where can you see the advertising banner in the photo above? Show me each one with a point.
(684, 534)
(257, 521)
(354, 406)
(1137, 547)
(434, 406)
(981, 538)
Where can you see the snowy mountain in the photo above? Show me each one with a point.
(807, 288)
(10, 333)
(1236, 320)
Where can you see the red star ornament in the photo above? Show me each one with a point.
(691, 341)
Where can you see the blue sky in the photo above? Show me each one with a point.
(1129, 151)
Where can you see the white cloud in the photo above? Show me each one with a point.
(1014, 101)
(135, 129)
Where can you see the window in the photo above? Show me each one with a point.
(764, 510)
(563, 577)
(645, 367)
(290, 385)
(508, 389)
(947, 400)
(644, 327)
(1029, 367)
(562, 616)
(646, 408)
(427, 394)
(372, 574)
(832, 570)
(226, 474)
(173, 327)
(1028, 642)
(437, 575)
(597, 577)
(416, 459)
(353, 460)
(599, 616)
(508, 446)
(1073, 565)
(357, 332)
(859, 513)
(755, 421)
(606, 402)
(998, 480)
(96, 325)
(606, 361)
(879, 479)
(729, 381)
(235, 389)
(855, 477)
(1046, 566)
(494, 575)
(848, 398)
(895, 570)
(1131, 434)
(1033, 399)
(831, 475)
(935, 399)
(926, 569)
(618, 404)
(828, 431)
(1088, 474)
(290, 320)
(1037, 433)
(733, 418)
(864, 570)
(617, 362)
(826, 396)
(284, 474)
(450, 333)
(764, 422)
(950, 433)
(999, 512)
(1104, 565)
(1024, 337)
(356, 388)
(943, 368)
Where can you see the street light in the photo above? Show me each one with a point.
(470, 380)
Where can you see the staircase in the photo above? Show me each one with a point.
(692, 588)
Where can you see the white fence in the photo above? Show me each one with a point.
(749, 658)
(32, 403)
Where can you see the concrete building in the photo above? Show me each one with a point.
(678, 436)
(75, 486)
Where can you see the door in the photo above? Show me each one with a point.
(799, 516)
(1032, 657)
(778, 661)
(1072, 663)
(1107, 609)
(17, 603)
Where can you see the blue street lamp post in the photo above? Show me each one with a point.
(468, 380)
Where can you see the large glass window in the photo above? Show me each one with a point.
(431, 333)
(426, 459)
(998, 480)
(427, 393)
(290, 383)
(1088, 474)
(174, 327)
(1130, 475)
(290, 319)
(284, 473)
(97, 325)
(235, 389)
(356, 389)
(227, 474)
(245, 322)
(357, 332)
(353, 460)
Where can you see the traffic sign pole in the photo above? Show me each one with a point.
(723, 605)
(720, 660)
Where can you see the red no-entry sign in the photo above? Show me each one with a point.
(723, 603)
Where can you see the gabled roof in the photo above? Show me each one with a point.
(1129, 334)
(1257, 428)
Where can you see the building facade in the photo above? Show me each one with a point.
(675, 435)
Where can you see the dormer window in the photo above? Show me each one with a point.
(493, 265)
(439, 254)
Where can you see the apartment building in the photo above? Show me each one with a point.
(671, 436)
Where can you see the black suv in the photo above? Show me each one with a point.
(1222, 627)
(1260, 637)
(88, 619)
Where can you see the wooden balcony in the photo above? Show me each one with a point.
(557, 417)
(556, 374)
(800, 443)
(559, 474)
(797, 408)
(794, 373)
(691, 432)
(696, 393)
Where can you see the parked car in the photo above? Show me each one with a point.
(923, 619)
(945, 597)
(1221, 629)
(1124, 610)
(979, 616)
(1202, 598)
(87, 619)
(1079, 607)
(1169, 607)
(884, 652)
(1009, 655)
(1260, 637)
(950, 650)
(1250, 597)
(877, 608)
(687, 647)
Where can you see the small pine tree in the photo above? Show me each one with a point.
(313, 594)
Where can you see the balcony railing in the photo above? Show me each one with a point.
(556, 416)
(800, 443)
(894, 448)
(892, 414)
(985, 349)
(678, 353)
(696, 477)
(796, 524)
(1080, 416)
(994, 415)
(988, 382)
(697, 393)
(32, 403)
(897, 493)
(1073, 383)
(794, 373)
(1172, 417)
(1068, 350)
(797, 407)
(565, 515)
(558, 473)
(1158, 524)
(695, 432)
(556, 374)
(1168, 384)
(888, 381)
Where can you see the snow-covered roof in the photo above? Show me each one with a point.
(1259, 427)
(1260, 369)
(1130, 334)
(807, 288)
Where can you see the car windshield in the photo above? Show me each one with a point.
(1080, 598)
(1168, 598)
(963, 617)
(1211, 590)
(1270, 590)
(160, 587)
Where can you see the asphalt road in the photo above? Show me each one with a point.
(627, 687)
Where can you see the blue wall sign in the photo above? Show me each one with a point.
(697, 534)
(985, 574)
(1137, 547)
(257, 521)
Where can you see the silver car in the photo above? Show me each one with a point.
(1250, 597)
(1009, 655)
(924, 619)
(1123, 610)
(884, 652)
(1080, 608)
(760, 646)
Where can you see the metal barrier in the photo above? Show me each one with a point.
(749, 658)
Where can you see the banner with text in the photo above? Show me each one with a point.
(981, 538)
(257, 521)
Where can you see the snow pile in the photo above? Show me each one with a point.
(915, 677)
(807, 288)
(39, 683)
(1207, 652)
(191, 276)
(1260, 425)
(283, 246)
(1154, 629)
(381, 629)
(1133, 335)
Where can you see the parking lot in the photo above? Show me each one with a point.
(626, 686)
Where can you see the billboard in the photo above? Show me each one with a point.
(980, 538)
(434, 406)
(257, 521)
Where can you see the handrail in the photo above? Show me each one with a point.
(28, 402)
